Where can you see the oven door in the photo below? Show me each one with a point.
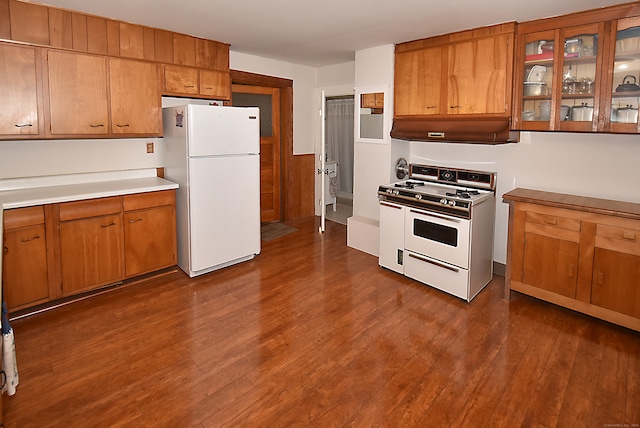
(438, 236)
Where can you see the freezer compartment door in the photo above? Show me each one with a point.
(224, 211)
(216, 131)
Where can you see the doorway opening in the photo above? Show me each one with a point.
(339, 134)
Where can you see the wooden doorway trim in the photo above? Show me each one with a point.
(287, 170)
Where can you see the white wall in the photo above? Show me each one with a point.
(597, 165)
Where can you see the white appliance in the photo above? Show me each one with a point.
(437, 228)
(213, 153)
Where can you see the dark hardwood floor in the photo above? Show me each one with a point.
(313, 333)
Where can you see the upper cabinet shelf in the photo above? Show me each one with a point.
(586, 65)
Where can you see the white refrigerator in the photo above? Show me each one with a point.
(213, 153)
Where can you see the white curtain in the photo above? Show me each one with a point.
(339, 139)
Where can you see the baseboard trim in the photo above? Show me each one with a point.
(499, 269)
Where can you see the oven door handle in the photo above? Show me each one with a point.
(422, 259)
(454, 220)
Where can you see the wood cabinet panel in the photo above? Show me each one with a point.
(135, 97)
(182, 80)
(29, 22)
(150, 240)
(149, 44)
(478, 76)
(418, 82)
(5, 23)
(215, 84)
(551, 264)
(131, 41)
(90, 208)
(60, 28)
(22, 217)
(24, 270)
(97, 41)
(148, 200)
(77, 94)
(184, 50)
(91, 253)
(19, 112)
(211, 54)
(79, 25)
(113, 38)
(615, 281)
(163, 44)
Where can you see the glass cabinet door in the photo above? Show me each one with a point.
(538, 82)
(581, 62)
(625, 91)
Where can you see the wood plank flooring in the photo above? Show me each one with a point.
(313, 333)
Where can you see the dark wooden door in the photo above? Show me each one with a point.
(268, 100)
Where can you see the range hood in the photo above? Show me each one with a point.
(481, 130)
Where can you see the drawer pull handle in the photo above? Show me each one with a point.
(189, 86)
(123, 126)
(22, 125)
(96, 126)
(433, 263)
(550, 221)
(455, 106)
(107, 225)
(431, 107)
(135, 221)
(629, 235)
(30, 239)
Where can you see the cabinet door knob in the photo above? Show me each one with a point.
(600, 278)
(6, 250)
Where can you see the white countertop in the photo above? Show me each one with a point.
(26, 192)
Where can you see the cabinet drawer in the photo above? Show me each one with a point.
(620, 239)
(180, 79)
(90, 208)
(148, 200)
(21, 217)
(553, 221)
(552, 226)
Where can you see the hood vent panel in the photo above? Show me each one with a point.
(486, 130)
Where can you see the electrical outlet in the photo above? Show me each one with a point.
(149, 147)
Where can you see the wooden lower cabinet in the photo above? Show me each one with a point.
(149, 232)
(577, 252)
(24, 260)
(90, 253)
(59, 250)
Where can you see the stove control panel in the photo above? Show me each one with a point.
(463, 177)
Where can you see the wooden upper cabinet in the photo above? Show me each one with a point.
(135, 97)
(131, 41)
(184, 50)
(29, 22)
(77, 94)
(180, 80)
(418, 76)
(479, 78)
(97, 35)
(19, 113)
(466, 73)
(215, 84)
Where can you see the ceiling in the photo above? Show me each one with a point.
(321, 33)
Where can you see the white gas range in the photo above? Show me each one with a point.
(437, 228)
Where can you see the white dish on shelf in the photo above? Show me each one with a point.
(536, 74)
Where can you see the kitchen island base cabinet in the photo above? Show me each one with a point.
(578, 252)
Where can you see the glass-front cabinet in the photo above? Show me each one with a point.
(560, 79)
(624, 71)
(580, 78)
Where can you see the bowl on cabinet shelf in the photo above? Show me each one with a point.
(528, 115)
(533, 89)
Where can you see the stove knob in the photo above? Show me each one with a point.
(443, 201)
(452, 203)
(396, 192)
(418, 196)
(389, 190)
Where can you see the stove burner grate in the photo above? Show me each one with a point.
(464, 194)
